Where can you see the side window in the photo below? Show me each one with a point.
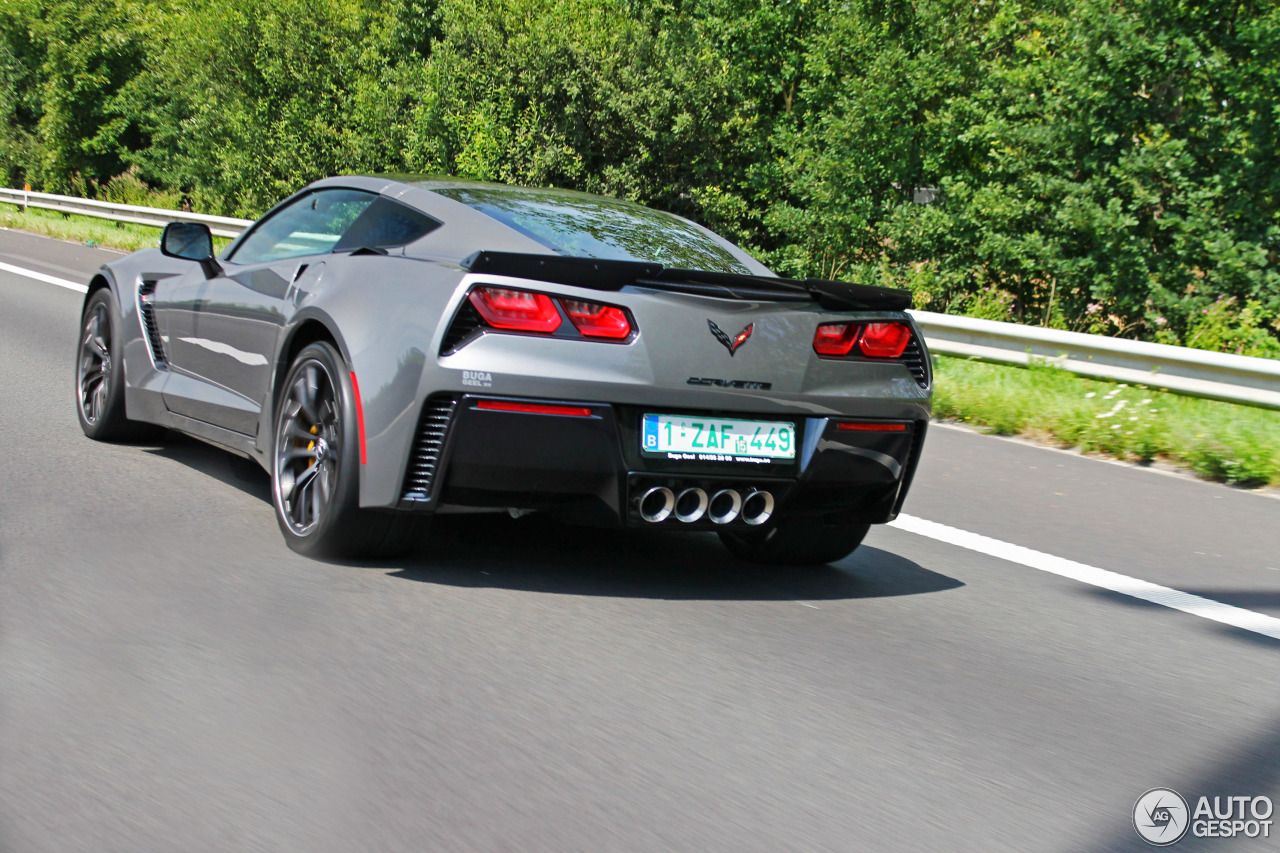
(311, 225)
(386, 224)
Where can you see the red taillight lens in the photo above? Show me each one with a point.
(516, 309)
(836, 338)
(597, 321)
(884, 340)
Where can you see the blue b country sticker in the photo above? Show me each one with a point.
(650, 432)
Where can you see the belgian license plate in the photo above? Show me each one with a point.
(705, 439)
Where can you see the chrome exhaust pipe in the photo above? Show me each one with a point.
(656, 504)
(757, 507)
(691, 505)
(724, 506)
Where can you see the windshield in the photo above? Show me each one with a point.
(586, 226)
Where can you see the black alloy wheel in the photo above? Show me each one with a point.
(100, 374)
(93, 374)
(315, 472)
(308, 446)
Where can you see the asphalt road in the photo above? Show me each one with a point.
(172, 677)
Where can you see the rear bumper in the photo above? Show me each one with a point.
(588, 465)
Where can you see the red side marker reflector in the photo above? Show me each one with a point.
(534, 408)
(870, 427)
(355, 386)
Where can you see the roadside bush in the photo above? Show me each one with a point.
(1081, 164)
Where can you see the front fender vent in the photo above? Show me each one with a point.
(428, 444)
(147, 312)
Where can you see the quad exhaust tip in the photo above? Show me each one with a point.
(757, 507)
(724, 506)
(691, 505)
(657, 503)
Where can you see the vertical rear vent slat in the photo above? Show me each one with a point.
(428, 444)
(913, 358)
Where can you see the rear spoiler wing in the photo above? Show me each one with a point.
(598, 274)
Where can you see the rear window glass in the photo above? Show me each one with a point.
(586, 226)
(386, 224)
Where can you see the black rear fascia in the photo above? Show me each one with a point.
(598, 274)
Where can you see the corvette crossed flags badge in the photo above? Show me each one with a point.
(731, 344)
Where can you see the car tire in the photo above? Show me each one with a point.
(315, 470)
(100, 374)
(797, 541)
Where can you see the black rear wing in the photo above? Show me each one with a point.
(599, 274)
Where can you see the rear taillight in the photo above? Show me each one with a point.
(884, 340)
(528, 311)
(873, 340)
(517, 310)
(597, 321)
(836, 338)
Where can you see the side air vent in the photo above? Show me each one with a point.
(433, 426)
(147, 311)
(912, 461)
(466, 324)
(914, 359)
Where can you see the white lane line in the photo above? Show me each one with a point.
(47, 279)
(1237, 617)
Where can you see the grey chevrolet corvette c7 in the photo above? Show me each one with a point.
(394, 348)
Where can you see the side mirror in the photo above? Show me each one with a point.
(190, 241)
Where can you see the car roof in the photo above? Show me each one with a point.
(468, 230)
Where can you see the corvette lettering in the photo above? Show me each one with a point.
(744, 384)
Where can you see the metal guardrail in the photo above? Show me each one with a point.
(223, 226)
(1192, 372)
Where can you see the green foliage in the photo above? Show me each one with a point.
(1100, 167)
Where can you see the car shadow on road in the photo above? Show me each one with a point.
(540, 555)
(223, 465)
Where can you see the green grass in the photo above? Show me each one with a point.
(86, 230)
(1219, 441)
